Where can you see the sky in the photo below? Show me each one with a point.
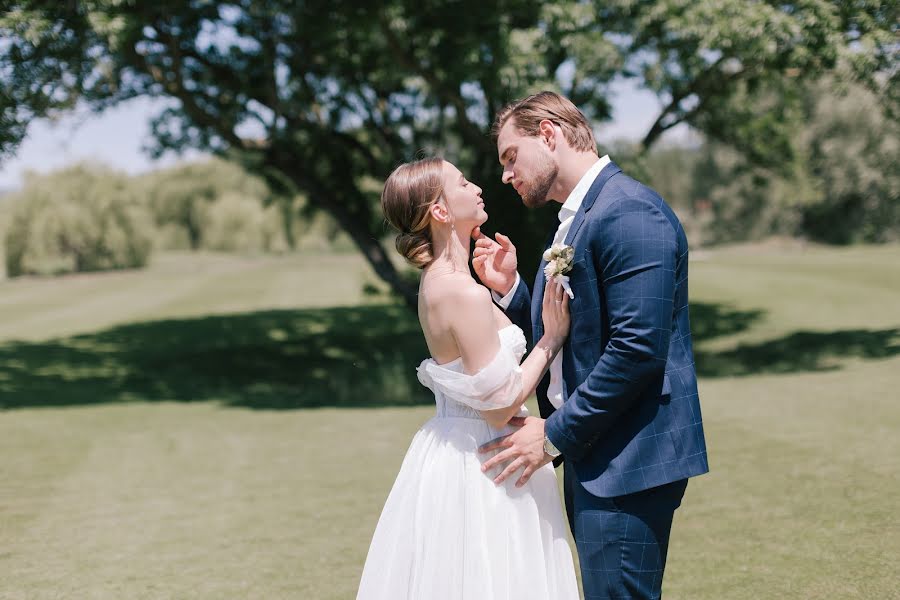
(117, 136)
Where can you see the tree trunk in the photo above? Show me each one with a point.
(384, 268)
(358, 231)
(286, 208)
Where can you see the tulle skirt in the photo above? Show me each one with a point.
(447, 532)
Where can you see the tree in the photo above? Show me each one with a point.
(841, 187)
(80, 219)
(181, 197)
(326, 98)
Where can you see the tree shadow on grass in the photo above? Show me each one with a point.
(360, 356)
(796, 352)
(336, 357)
(801, 351)
(709, 321)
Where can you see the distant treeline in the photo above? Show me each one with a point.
(90, 218)
(838, 183)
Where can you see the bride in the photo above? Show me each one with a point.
(447, 530)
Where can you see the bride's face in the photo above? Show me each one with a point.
(462, 199)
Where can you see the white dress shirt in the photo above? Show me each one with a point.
(566, 216)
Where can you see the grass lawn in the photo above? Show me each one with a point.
(224, 427)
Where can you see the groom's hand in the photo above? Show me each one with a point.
(495, 262)
(524, 448)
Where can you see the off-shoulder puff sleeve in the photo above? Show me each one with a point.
(498, 385)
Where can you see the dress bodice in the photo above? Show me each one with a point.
(497, 385)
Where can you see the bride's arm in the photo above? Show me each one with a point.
(556, 327)
(476, 337)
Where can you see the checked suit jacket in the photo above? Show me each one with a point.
(631, 418)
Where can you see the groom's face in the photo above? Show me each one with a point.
(527, 165)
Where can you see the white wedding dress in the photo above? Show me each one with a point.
(447, 532)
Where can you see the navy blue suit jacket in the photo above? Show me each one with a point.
(631, 416)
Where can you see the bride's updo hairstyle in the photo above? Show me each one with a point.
(408, 195)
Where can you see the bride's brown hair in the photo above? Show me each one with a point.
(408, 195)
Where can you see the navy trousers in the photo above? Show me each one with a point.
(622, 542)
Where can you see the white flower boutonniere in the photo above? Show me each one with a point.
(559, 262)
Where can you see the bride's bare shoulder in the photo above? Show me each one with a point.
(450, 302)
(452, 290)
(457, 317)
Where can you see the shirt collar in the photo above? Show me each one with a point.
(573, 202)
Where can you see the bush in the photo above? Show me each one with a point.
(80, 219)
(840, 186)
(183, 201)
(238, 223)
(852, 150)
(5, 215)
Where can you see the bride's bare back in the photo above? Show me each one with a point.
(459, 319)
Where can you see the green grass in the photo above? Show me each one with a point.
(222, 427)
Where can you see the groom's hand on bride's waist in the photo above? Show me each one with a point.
(495, 262)
(522, 449)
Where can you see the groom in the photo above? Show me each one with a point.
(620, 401)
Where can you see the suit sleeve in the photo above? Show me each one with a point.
(634, 245)
(519, 308)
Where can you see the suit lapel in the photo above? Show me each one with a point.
(602, 177)
(537, 324)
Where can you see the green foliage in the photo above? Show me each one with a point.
(217, 205)
(319, 233)
(852, 151)
(209, 205)
(320, 100)
(838, 183)
(840, 186)
(241, 223)
(183, 201)
(5, 216)
(76, 220)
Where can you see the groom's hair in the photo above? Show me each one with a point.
(529, 112)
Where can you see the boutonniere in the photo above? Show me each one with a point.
(559, 262)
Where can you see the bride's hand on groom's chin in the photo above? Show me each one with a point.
(495, 262)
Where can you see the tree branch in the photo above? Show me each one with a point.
(697, 86)
(224, 76)
(391, 139)
(348, 140)
(191, 108)
(175, 87)
(472, 132)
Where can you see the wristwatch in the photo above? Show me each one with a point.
(550, 449)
